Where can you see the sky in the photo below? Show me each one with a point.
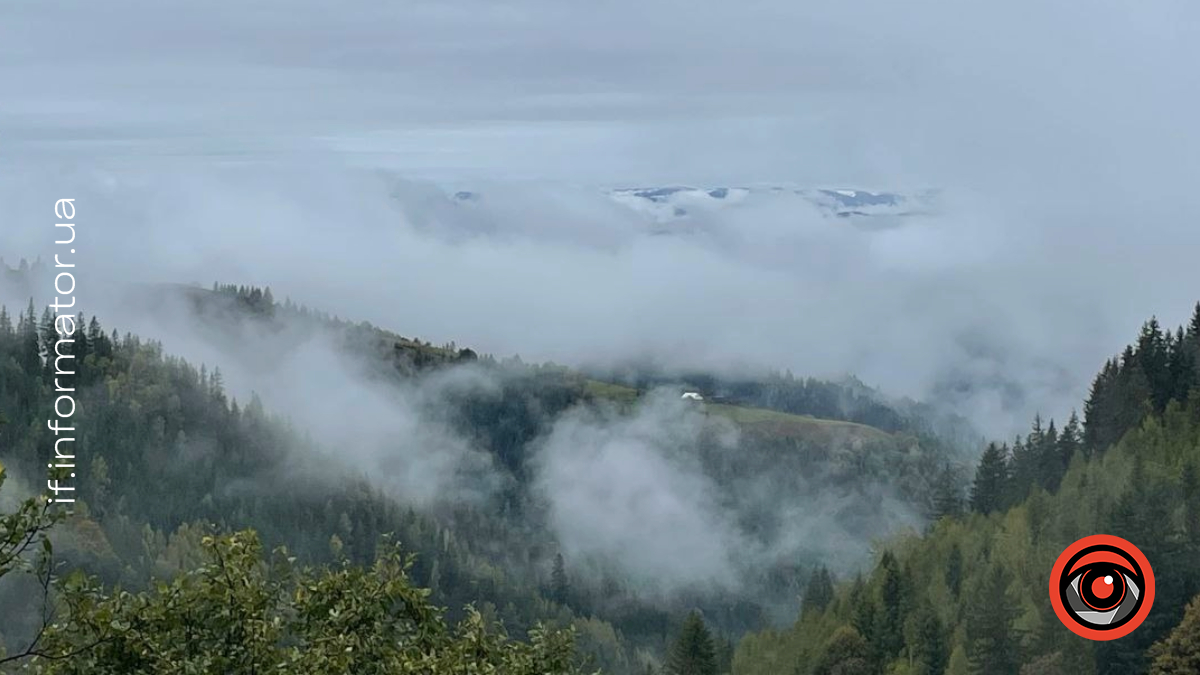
(305, 145)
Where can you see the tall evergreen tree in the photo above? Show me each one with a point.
(1049, 455)
(560, 586)
(1070, 441)
(889, 629)
(1099, 411)
(1143, 515)
(1023, 466)
(988, 493)
(819, 591)
(1154, 359)
(49, 334)
(6, 324)
(954, 570)
(946, 500)
(31, 348)
(926, 644)
(693, 652)
(1183, 366)
(1134, 396)
(992, 648)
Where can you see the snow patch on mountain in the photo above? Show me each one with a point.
(666, 204)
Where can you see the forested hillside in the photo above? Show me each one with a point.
(969, 597)
(168, 456)
(849, 400)
(165, 454)
(172, 461)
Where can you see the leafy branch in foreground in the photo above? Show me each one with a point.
(24, 547)
(239, 613)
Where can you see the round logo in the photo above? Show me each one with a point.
(1102, 587)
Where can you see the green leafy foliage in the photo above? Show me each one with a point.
(845, 653)
(1179, 652)
(236, 613)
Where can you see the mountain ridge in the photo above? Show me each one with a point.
(667, 203)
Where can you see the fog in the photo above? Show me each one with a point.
(311, 148)
(981, 313)
(631, 493)
(667, 498)
(220, 140)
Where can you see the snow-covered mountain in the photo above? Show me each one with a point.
(661, 205)
(664, 204)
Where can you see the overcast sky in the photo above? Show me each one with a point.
(859, 91)
(1063, 131)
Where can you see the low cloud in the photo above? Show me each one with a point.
(675, 500)
(631, 494)
(304, 148)
(991, 315)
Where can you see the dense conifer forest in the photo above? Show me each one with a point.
(218, 534)
(195, 462)
(969, 595)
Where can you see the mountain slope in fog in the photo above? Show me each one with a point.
(666, 204)
(305, 426)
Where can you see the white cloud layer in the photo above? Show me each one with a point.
(223, 139)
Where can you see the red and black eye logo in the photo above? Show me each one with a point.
(1102, 587)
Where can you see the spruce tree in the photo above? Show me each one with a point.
(1134, 396)
(864, 608)
(1143, 516)
(1070, 440)
(1050, 465)
(946, 500)
(927, 649)
(83, 341)
(1102, 426)
(992, 649)
(693, 652)
(1183, 366)
(1153, 357)
(49, 333)
(31, 347)
(889, 628)
(991, 481)
(560, 586)
(1023, 467)
(6, 325)
(819, 591)
(954, 570)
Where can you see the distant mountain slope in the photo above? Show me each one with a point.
(785, 425)
(760, 421)
(665, 204)
(976, 583)
(528, 461)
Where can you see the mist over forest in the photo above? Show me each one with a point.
(679, 339)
